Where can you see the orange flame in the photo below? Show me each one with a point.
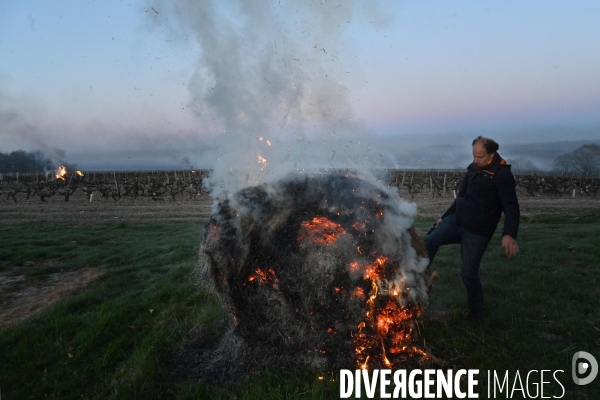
(386, 329)
(374, 270)
(322, 230)
(61, 173)
(79, 173)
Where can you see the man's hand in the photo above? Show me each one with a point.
(439, 221)
(509, 243)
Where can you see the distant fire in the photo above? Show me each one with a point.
(61, 173)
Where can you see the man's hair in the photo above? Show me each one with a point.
(489, 145)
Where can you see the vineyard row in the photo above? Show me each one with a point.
(185, 184)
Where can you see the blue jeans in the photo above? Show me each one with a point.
(472, 248)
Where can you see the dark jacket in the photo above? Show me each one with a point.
(484, 194)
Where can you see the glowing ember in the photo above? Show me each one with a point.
(263, 162)
(358, 292)
(323, 231)
(354, 266)
(316, 269)
(267, 277)
(79, 173)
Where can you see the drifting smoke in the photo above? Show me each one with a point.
(23, 130)
(186, 161)
(277, 95)
(275, 91)
(101, 143)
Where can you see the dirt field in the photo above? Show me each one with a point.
(78, 208)
(199, 209)
(21, 297)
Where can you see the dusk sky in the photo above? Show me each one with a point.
(111, 81)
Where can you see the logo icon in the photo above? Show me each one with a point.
(581, 368)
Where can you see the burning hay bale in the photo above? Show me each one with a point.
(319, 271)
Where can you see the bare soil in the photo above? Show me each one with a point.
(21, 298)
(79, 209)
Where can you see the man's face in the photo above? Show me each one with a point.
(480, 157)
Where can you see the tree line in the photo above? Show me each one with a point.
(584, 160)
(25, 162)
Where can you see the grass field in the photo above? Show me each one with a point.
(130, 332)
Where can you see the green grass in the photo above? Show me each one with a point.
(123, 331)
(551, 288)
(121, 349)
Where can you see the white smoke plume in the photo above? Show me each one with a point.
(271, 78)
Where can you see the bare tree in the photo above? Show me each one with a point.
(584, 160)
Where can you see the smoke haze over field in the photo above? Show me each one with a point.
(454, 151)
(275, 90)
(143, 84)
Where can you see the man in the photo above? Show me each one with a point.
(487, 190)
